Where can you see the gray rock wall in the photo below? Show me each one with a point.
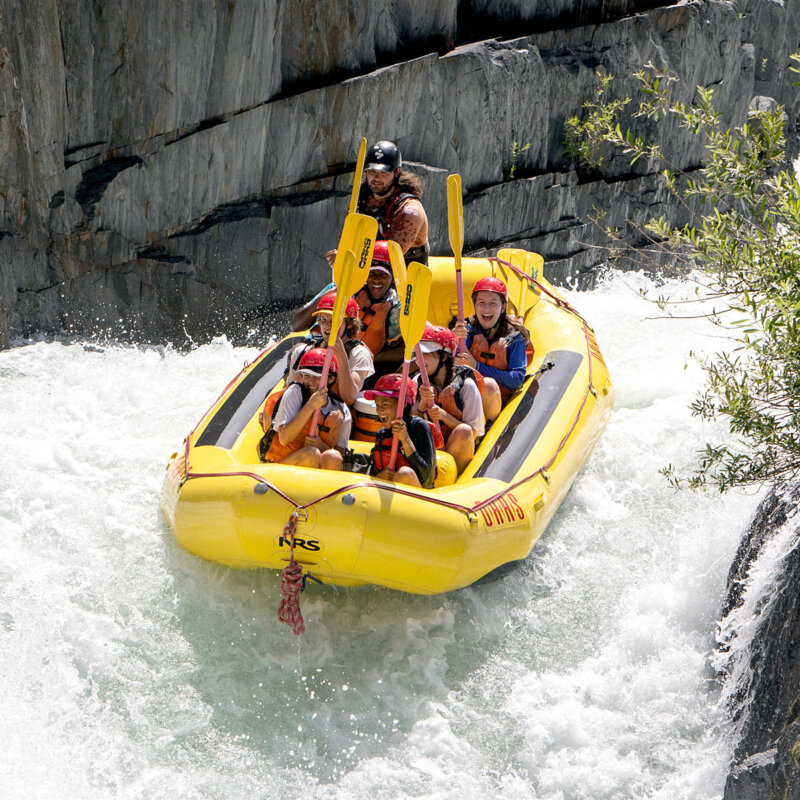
(173, 170)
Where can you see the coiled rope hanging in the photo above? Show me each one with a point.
(291, 583)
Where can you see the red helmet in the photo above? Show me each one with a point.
(380, 254)
(443, 339)
(329, 300)
(491, 285)
(389, 386)
(314, 359)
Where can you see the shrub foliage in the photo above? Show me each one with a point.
(744, 235)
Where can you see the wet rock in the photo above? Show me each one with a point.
(763, 665)
(174, 169)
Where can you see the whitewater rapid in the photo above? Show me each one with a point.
(131, 669)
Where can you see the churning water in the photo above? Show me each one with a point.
(131, 669)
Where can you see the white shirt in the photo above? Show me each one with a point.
(292, 402)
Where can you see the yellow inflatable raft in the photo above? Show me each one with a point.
(226, 506)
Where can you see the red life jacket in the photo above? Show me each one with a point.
(374, 317)
(382, 453)
(270, 448)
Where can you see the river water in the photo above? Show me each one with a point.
(131, 669)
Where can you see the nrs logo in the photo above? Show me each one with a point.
(362, 262)
(305, 544)
(506, 510)
(407, 306)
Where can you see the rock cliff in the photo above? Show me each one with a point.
(176, 169)
(760, 650)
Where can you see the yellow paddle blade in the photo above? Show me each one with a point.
(534, 266)
(522, 293)
(398, 259)
(347, 269)
(362, 154)
(358, 235)
(414, 305)
(455, 216)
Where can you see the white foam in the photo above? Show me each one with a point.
(134, 670)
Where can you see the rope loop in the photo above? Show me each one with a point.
(292, 583)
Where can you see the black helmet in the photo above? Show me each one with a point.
(383, 156)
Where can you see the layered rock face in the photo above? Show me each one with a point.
(760, 636)
(177, 169)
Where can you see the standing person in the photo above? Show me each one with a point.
(353, 356)
(496, 344)
(288, 414)
(379, 309)
(393, 196)
(416, 455)
(454, 397)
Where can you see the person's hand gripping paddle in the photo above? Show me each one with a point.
(455, 227)
(350, 271)
(400, 277)
(413, 315)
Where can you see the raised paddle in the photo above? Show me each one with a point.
(413, 316)
(455, 227)
(400, 271)
(362, 153)
(350, 271)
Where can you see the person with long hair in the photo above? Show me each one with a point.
(497, 344)
(393, 196)
(453, 400)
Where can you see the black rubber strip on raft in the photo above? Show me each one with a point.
(531, 416)
(224, 428)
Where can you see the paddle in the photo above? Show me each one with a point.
(350, 270)
(413, 316)
(362, 153)
(527, 264)
(455, 227)
(400, 278)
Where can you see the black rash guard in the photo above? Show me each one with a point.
(423, 459)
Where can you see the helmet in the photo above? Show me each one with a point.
(491, 285)
(389, 386)
(329, 300)
(314, 360)
(437, 337)
(383, 156)
(380, 253)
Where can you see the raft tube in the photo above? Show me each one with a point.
(226, 506)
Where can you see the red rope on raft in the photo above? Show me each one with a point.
(291, 583)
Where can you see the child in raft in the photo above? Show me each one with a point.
(453, 400)
(353, 356)
(288, 415)
(416, 454)
(496, 344)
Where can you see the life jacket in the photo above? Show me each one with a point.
(496, 353)
(382, 452)
(374, 317)
(316, 340)
(451, 398)
(270, 448)
(385, 215)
